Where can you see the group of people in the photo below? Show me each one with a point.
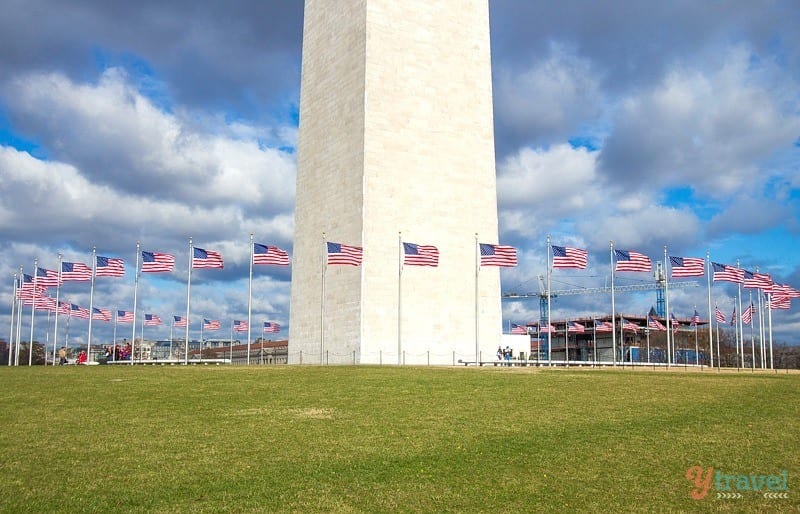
(504, 354)
(110, 353)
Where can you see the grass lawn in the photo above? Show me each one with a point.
(385, 439)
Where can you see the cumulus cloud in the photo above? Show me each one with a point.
(712, 130)
(551, 98)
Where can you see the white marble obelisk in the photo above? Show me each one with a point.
(395, 142)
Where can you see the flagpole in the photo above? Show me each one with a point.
(769, 314)
(549, 312)
(399, 296)
(33, 310)
(752, 332)
(91, 303)
(566, 343)
(667, 319)
(116, 318)
(201, 339)
(740, 325)
(135, 290)
(249, 299)
(594, 339)
(188, 298)
(710, 326)
(322, 313)
(19, 318)
(613, 309)
(13, 311)
(719, 355)
(477, 271)
(761, 329)
(696, 342)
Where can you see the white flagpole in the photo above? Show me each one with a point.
(667, 319)
(566, 343)
(710, 326)
(135, 290)
(249, 299)
(230, 343)
(549, 312)
(171, 327)
(769, 314)
(322, 313)
(736, 334)
(594, 338)
(13, 312)
(141, 343)
(740, 324)
(188, 299)
(477, 273)
(696, 342)
(752, 332)
(201, 339)
(114, 347)
(613, 309)
(19, 317)
(719, 355)
(399, 297)
(58, 307)
(91, 303)
(33, 310)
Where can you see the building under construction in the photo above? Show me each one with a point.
(592, 340)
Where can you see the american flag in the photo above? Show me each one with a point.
(695, 318)
(46, 277)
(675, 323)
(498, 255)
(733, 316)
(652, 322)
(109, 267)
(518, 329)
(627, 325)
(575, 327)
(206, 259)
(27, 289)
(747, 315)
(179, 321)
(787, 290)
(240, 326)
(603, 326)
(209, 324)
(632, 261)
(125, 316)
(764, 281)
(719, 316)
(687, 267)
(271, 326)
(544, 328)
(75, 272)
(78, 312)
(101, 314)
(725, 273)
(420, 255)
(152, 320)
(344, 254)
(46, 303)
(154, 262)
(64, 308)
(264, 254)
(779, 301)
(566, 257)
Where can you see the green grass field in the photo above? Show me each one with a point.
(381, 439)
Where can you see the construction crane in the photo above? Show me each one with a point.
(659, 286)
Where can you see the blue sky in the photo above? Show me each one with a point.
(676, 125)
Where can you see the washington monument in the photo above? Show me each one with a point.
(396, 144)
